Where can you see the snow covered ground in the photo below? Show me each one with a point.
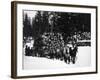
(83, 60)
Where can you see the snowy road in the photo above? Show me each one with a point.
(83, 60)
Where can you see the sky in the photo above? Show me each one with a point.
(30, 13)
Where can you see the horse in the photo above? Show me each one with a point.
(73, 53)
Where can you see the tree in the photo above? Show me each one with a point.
(27, 28)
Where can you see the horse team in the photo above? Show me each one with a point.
(67, 54)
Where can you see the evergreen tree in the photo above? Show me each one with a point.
(27, 28)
